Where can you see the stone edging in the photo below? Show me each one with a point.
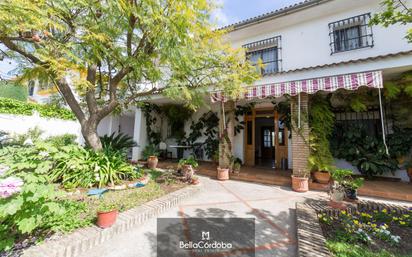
(311, 241)
(78, 242)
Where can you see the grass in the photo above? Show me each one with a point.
(341, 249)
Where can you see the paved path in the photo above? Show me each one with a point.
(272, 207)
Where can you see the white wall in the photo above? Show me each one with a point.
(19, 124)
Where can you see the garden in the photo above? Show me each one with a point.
(368, 232)
(51, 186)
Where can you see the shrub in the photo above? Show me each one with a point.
(62, 140)
(79, 167)
(150, 150)
(13, 91)
(12, 106)
(189, 161)
(120, 142)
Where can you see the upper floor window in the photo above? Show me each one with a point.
(268, 52)
(349, 34)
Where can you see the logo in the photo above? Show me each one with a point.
(205, 235)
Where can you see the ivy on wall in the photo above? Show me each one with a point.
(12, 106)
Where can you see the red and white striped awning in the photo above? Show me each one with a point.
(372, 79)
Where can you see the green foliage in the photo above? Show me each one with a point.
(151, 113)
(107, 207)
(345, 179)
(150, 150)
(13, 91)
(367, 153)
(177, 115)
(400, 142)
(12, 106)
(189, 161)
(342, 249)
(38, 200)
(120, 142)
(396, 12)
(62, 140)
(321, 122)
(33, 134)
(135, 39)
(79, 167)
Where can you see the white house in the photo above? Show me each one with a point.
(311, 46)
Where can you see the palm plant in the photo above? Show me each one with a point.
(120, 142)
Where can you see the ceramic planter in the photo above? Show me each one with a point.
(337, 196)
(106, 219)
(300, 184)
(322, 177)
(152, 162)
(351, 193)
(187, 171)
(222, 173)
(409, 171)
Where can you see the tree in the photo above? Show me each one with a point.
(396, 12)
(106, 55)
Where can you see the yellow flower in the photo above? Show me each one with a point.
(406, 215)
(373, 225)
(402, 222)
(356, 222)
(395, 218)
(343, 212)
(384, 211)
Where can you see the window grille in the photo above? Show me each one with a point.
(269, 52)
(350, 34)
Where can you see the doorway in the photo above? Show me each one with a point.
(266, 139)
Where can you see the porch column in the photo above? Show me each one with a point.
(229, 107)
(136, 151)
(300, 136)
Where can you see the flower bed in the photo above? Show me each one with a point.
(367, 232)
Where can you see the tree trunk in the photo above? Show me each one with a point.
(89, 132)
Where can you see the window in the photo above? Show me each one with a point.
(350, 34)
(268, 51)
(267, 138)
(31, 88)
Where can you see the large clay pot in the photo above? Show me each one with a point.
(300, 184)
(322, 177)
(106, 219)
(152, 162)
(222, 173)
(409, 171)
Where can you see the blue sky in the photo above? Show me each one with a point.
(236, 10)
(231, 11)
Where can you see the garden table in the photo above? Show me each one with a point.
(180, 149)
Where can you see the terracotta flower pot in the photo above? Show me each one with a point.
(152, 162)
(409, 171)
(322, 177)
(300, 184)
(106, 219)
(222, 173)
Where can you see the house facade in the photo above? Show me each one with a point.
(311, 47)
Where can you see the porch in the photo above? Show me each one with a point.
(379, 187)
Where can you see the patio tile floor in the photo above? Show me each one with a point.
(391, 190)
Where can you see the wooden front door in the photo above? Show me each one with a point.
(250, 139)
(267, 142)
(281, 139)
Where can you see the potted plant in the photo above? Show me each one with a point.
(225, 156)
(195, 180)
(300, 181)
(237, 164)
(150, 153)
(351, 187)
(337, 189)
(187, 165)
(106, 215)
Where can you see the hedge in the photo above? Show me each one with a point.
(12, 106)
(13, 91)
